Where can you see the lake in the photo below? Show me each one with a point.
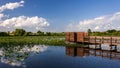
(41, 56)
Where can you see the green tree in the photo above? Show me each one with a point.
(30, 34)
(19, 32)
(48, 33)
(40, 33)
(111, 31)
(4, 34)
(89, 31)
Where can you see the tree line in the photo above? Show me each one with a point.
(111, 32)
(22, 32)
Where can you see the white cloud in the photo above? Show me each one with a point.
(97, 27)
(101, 23)
(22, 2)
(25, 22)
(28, 23)
(11, 6)
(1, 16)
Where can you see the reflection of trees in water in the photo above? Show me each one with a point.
(15, 55)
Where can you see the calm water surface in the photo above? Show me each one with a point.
(41, 56)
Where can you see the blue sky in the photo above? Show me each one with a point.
(64, 15)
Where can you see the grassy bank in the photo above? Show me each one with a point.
(22, 40)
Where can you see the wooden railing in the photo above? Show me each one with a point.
(112, 40)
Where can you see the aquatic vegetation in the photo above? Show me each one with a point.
(22, 40)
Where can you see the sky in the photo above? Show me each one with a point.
(59, 15)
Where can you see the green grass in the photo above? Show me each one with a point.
(26, 40)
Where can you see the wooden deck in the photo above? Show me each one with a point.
(82, 37)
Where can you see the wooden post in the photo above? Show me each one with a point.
(102, 53)
(100, 46)
(110, 55)
(110, 47)
(95, 52)
(95, 39)
(115, 40)
(95, 42)
(89, 39)
(110, 40)
(110, 51)
(115, 47)
(102, 39)
(83, 38)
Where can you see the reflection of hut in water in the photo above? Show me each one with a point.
(70, 51)
(82, 52)
(74, 51)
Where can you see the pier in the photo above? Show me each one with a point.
(83, 37)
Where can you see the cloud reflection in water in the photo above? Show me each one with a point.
(16, 55)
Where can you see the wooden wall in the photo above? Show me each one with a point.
(76, 36)
(71, 36)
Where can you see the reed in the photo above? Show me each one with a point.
(26, 40)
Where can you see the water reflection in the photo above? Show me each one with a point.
(84, 52)
(15, 55)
